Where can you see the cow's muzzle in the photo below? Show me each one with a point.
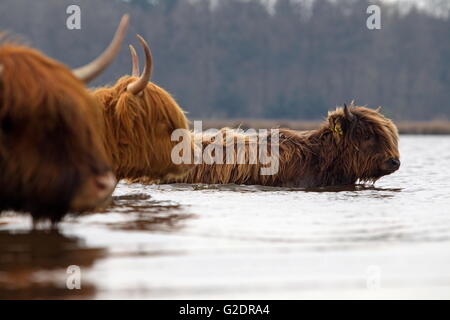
(393, 164)
(95, 192)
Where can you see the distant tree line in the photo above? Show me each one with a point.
(242, 59)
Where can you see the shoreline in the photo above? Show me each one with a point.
(404, 127)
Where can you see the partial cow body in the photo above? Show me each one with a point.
(353, 144)
(52, 157)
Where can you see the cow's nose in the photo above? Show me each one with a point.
(105, 184)
(95, 192)
(394, 163)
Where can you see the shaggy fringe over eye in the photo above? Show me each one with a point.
(138, 130)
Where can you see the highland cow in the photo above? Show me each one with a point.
(353, 144)
(139, 119)
(52, 158)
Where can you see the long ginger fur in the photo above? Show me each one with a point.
(138, 130)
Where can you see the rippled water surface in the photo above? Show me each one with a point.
(391, 240)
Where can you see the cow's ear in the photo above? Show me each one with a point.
(336, 122)
(336, 126)
(341, 120)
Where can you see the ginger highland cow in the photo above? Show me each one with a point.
(139, 119)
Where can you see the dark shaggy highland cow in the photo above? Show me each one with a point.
(353, 144)
(52, 158)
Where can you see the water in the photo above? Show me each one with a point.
(391, 240)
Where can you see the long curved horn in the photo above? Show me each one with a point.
(347, 112)
(135, 59)
(137, 86)
(90, 71)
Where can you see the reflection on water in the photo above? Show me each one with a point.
(33, 264)
(229, 241)
(245, 188)
(147, 215)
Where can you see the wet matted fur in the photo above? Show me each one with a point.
(354, 144)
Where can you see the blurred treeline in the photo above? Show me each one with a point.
(242, 59)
